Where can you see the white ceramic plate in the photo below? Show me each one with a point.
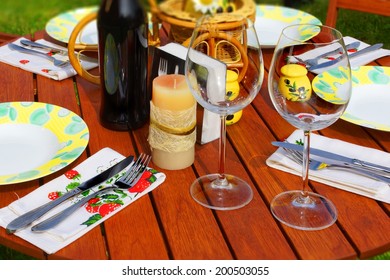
(270, 21)
(369, 104)
(38, 139)
(61, 26)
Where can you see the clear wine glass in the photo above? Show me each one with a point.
(310, 97)
(223, 50)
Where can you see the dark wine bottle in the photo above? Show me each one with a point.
(123, 57)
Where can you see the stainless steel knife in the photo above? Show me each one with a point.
(27, 218)
(353, 162)
(43, 47)
(310, 62)
(360, 52)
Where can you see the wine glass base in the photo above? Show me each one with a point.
(211, 192)
(311, 212)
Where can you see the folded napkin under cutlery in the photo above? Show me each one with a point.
(93, 213)
(341, 179)
(355, 61)
(41, 66)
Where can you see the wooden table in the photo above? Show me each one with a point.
(169, 224)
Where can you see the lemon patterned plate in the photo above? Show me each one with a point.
(61, 26)
(270, 21)
(370, 99)
(38, 139)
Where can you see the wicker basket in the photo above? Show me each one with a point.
(182, 22)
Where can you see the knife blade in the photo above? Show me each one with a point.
(42, 46)
(314, 61)
(353, 162)
(352, 55)
(29, 217)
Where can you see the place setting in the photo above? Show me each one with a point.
(43, 57)
(64, 209)
(311, 85)
(40, 139)
(369, 83)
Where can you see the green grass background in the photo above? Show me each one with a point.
(22, 17)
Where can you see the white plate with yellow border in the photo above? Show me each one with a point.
(38, 139)
(370, 99)
(61, 26)
(271, 20)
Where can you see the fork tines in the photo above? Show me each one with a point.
(163, 67)
(135, 171)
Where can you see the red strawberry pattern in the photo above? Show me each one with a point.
(72, 174)
(143, 183)
(93, 205)
(54, 195)
(107, 203)
(107, 208)
(24, 61)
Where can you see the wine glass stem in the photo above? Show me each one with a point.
(222, 148)
(305, 163)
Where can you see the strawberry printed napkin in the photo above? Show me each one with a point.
(94, 212)
(42, 66)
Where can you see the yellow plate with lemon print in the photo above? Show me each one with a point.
(270, 21)
(370, 99)
(38, 139)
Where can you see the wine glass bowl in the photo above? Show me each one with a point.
(309, 98)
(224, 71)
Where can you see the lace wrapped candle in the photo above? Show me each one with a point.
(172, 130)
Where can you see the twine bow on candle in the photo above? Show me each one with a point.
(172, 131)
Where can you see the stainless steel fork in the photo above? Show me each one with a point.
(314, 61)
(128, 180)
(163, 67)
(297, 157)
(56, 62)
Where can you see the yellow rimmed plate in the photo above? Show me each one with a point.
(38, 139)
(369, 104)
(333, 85)
(370, 99)
(61, 26)
(270, 21)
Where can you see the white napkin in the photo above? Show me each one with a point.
(42, 66)
(85, 218)
(355, 61)
(211, 122)
(337, 178)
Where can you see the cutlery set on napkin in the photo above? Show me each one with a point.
(359, 53)
(364, 171)
(84, 183)
(43, 57)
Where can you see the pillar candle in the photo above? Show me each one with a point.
(172, 131)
